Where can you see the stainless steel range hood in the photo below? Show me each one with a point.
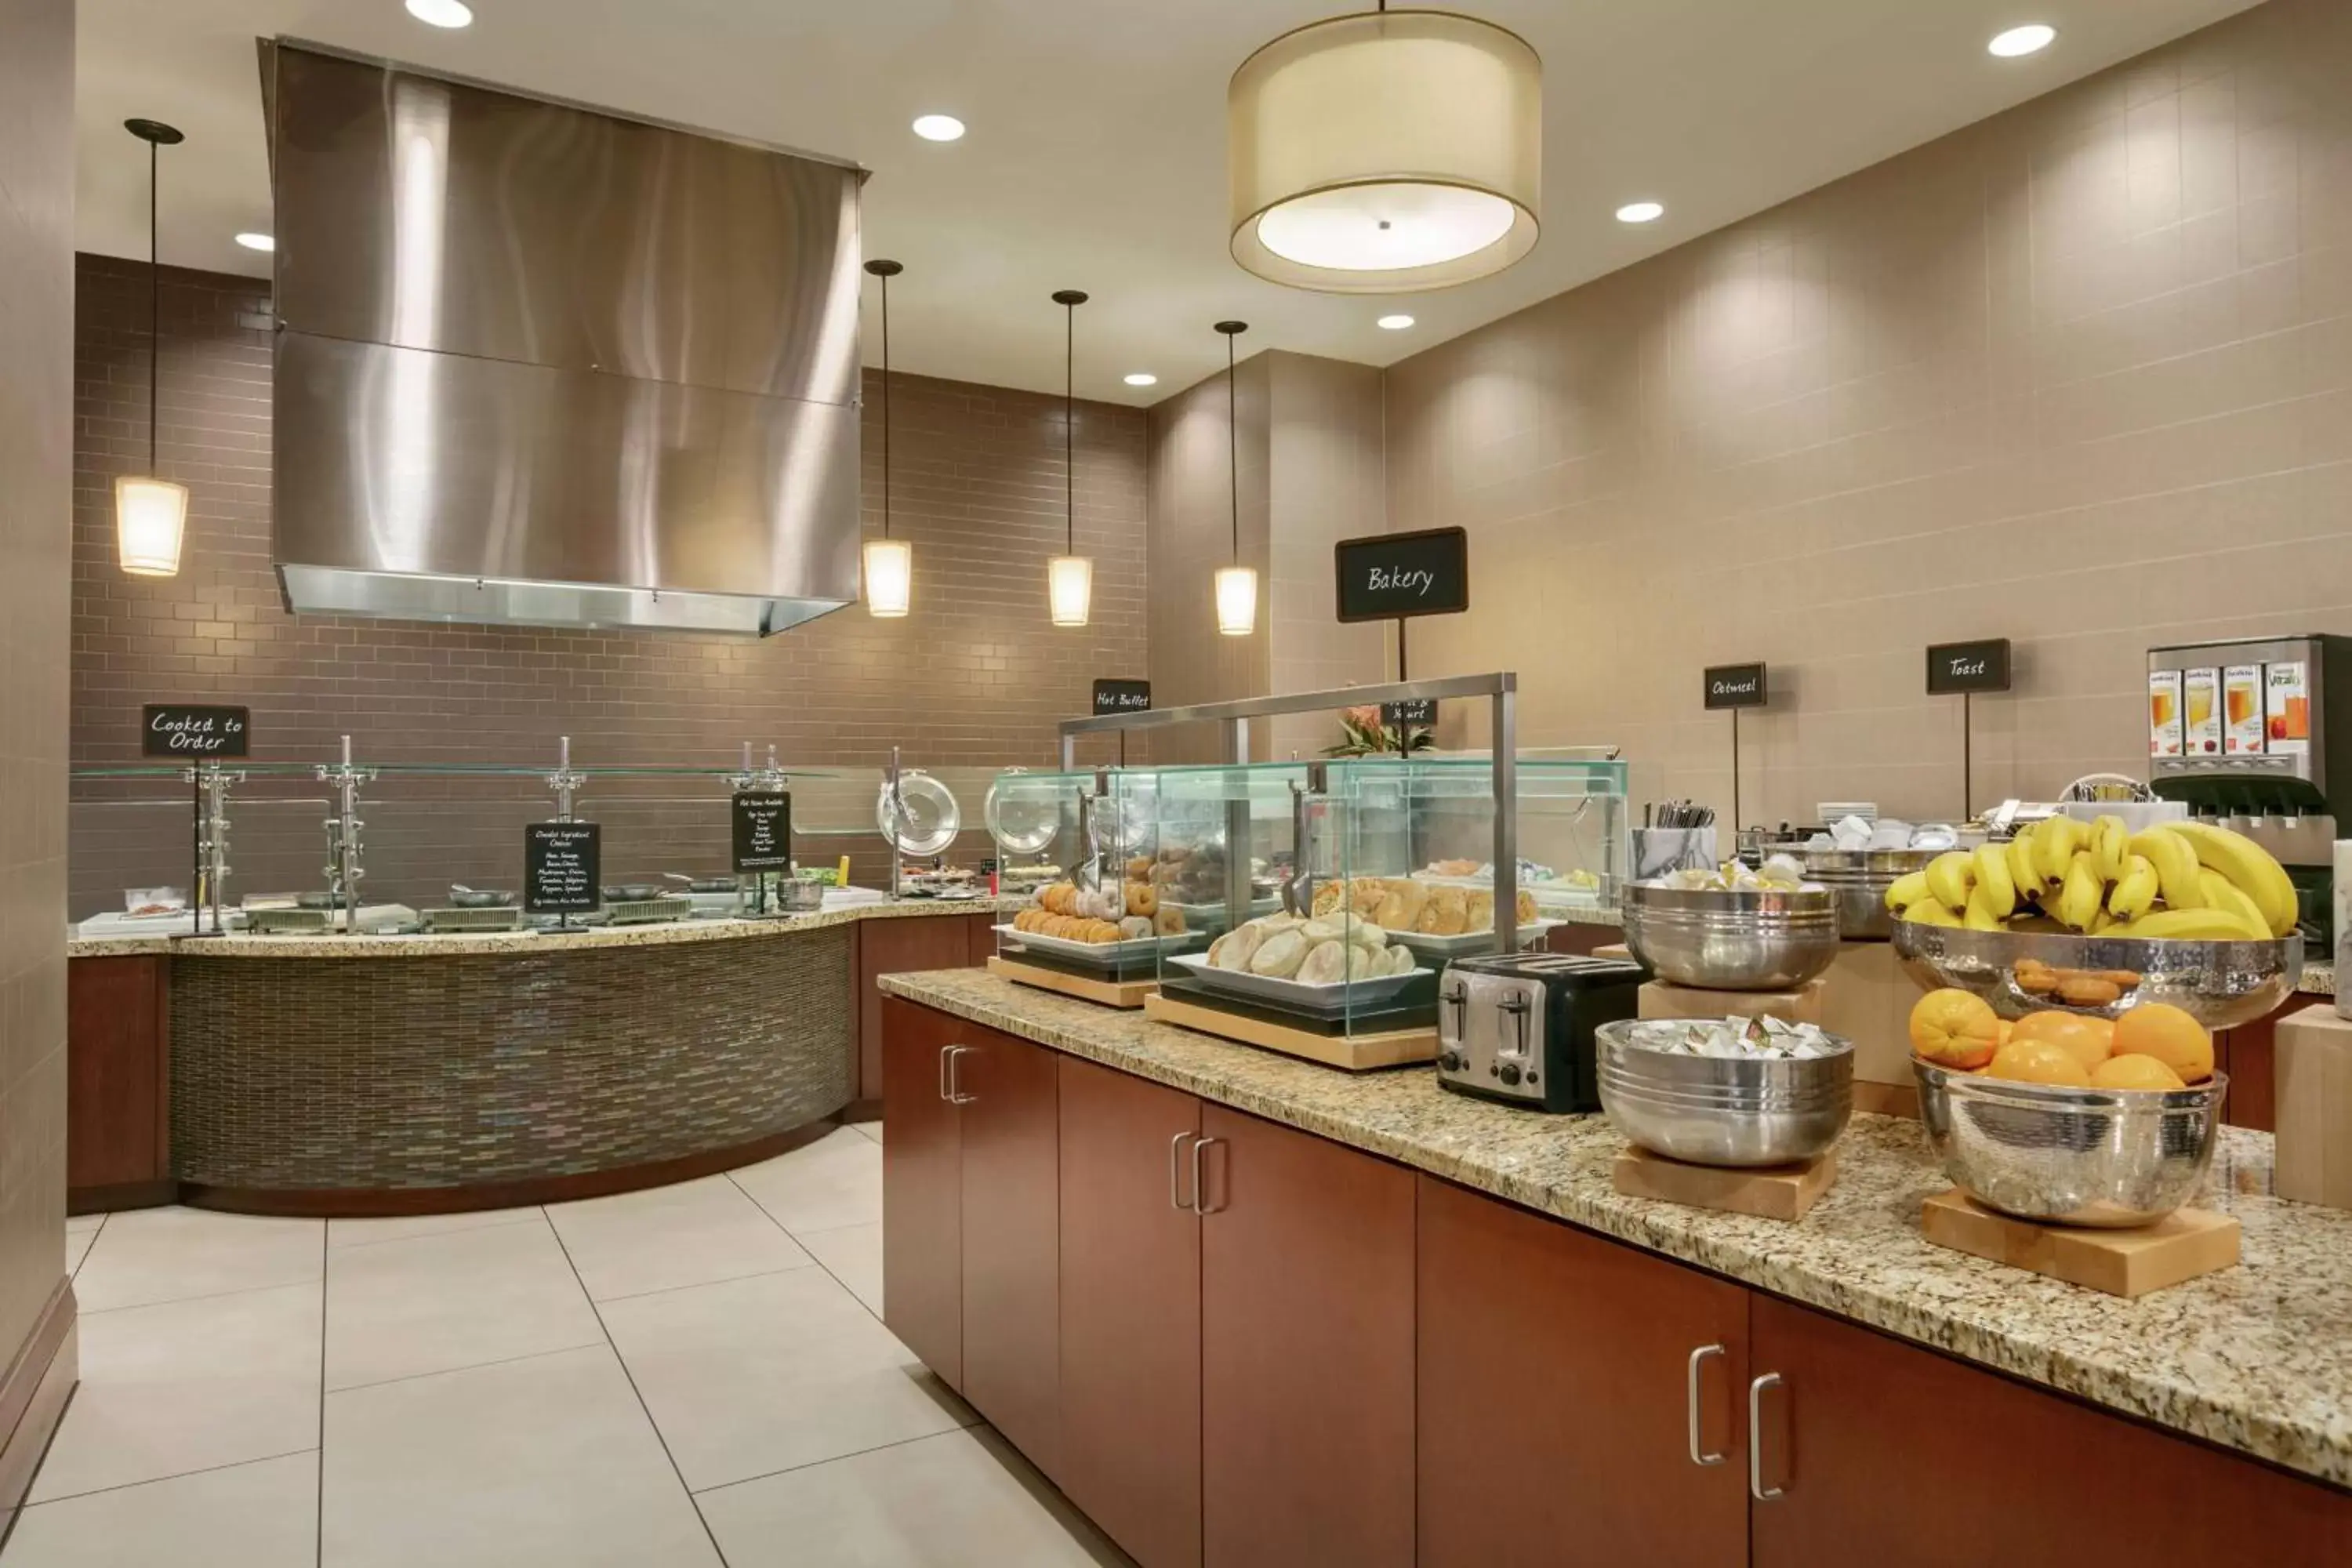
(538, 363)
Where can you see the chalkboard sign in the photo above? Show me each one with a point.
(763, 831)
(1398, 715)
(1391, 576)
(179, 729)
(1956, 667)
(1123, 696)
(560, 868)
(1735, 686)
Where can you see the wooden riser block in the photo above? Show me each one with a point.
(1354, 1053)
(1126, 995)
(1886, 1099)
(2181, 1246)
(1774, 1192)
(1659, 999)
(2313, 1063)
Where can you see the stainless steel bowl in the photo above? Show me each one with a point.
(2107, 1158)
(1715, 1111)
(2219, 984)
(1860, 878)
(1730, 941)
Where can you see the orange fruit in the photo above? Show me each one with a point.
(2134, 1073)
(2089, 1039)
(2161, 1030)
(2039, 1062)
(1955, 1029)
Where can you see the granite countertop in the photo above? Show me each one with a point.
(653, 935)
(2318, 980)
(2257, 1358)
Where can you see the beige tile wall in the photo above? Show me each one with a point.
(1328, 484)
(36, 494)
(2079, 375)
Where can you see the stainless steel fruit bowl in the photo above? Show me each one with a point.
(1722, 941)
(2107, 1158)
(1722, 1110)
(2219, 984)
(1860, 878)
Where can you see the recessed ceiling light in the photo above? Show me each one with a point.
(442, 13)
(1394, 323)
(257, 241)
(1641, 212)
(938, 128)
(2032, 38)
(1143, 378)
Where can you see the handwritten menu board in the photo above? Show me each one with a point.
(1735, 686)
(763, 831)
(1957, 666)
(182, 729)
(1389, 576)
(1123, 696)
(562, 866)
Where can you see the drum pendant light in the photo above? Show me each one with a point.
(1070, 576)
(1236, 584)
(890, 563)
(1385, 152)
(151, 514)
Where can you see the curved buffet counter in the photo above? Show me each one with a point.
(348, 1075)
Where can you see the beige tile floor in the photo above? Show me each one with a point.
(693, 1376)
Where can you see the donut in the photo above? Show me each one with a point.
(1142, 898)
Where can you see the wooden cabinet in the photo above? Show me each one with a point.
(922, 1189)
(118, 1082)
(898, 945)
(1882, 1452)
(1130, 1258)
(1006, 1098)
(1556, 1371)
(1306, 1349)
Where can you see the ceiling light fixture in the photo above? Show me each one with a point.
(890, 563)
(1393, 323)
(938, 128)
(253, 241)
(1385, 152)
(1236, 584)
(1641, 212)
(442, 13)
(151, 515)
(1142, 378)
(1069, 577)
(2030, 39)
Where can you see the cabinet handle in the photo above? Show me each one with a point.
(1198, 1191)
(944, 1052)
(1175, 1145)
(1699, 1456)
(956, 1096)
(1755, 1488)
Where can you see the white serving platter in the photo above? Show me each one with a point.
(1269, 988)
(1469, 941)
(1101, 955)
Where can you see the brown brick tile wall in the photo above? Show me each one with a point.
(974, 679)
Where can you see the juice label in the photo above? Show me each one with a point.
(2200, 697)
(2241, 709)
(2288, 707)
(2164, 713)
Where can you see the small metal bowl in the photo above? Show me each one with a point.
(1860, 878)
(2099, 1157)
(1726, 941)
(1718, 1111)
(2219, 984)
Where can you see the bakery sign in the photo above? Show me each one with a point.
(1735, 686)
(1955, 667)
(1389, 576)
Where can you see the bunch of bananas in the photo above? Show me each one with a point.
(2189, 880)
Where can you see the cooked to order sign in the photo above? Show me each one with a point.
(184, 730)
(1389, 576)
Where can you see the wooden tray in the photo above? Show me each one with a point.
(1127, 994)
(2181, 1246)
(1773, 1192)
(1355, 1053)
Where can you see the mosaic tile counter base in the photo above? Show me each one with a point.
(2257, 1358)
(480, 1068)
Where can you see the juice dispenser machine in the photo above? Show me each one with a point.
(2256, 733)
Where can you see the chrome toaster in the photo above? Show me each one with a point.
(1517, 1027)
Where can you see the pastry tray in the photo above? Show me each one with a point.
(1531, 934)
(1095, 954)
(1362, 992)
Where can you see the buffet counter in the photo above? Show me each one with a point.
(2256, 1359)
(350, 1075)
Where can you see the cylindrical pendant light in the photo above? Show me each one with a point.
(1236, 584)
(151, 514)
(1386, 152)
(890, 563)
(1069, 577)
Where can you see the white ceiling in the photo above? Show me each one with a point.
(1096, 157)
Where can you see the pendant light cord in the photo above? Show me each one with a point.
(1069, 427)
(154, 307)
(1234, 445)
(886, 405)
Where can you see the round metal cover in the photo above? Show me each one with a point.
(922, 818)
(1020, 824)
